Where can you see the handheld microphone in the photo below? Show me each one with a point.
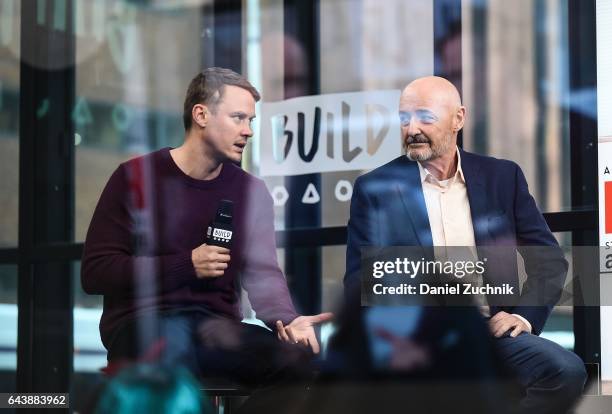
(220, 230)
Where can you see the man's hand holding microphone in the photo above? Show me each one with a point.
(210, 261)
(212, 258)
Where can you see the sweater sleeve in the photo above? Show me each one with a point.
(262, 278)
(110, 264)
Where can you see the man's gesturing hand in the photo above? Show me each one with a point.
(210, 261)
(502, 322)
(300, 330)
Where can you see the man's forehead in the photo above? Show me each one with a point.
(414, 102)
(430, 92)
(234, 97)
(236, 93)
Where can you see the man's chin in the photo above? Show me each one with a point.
(418, 155)
(235, 158)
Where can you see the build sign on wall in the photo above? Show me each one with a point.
(324, 133)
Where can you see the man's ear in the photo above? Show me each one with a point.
(459, 120)
(199, 114)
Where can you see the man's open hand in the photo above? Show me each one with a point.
(300, 330)
(210, 261)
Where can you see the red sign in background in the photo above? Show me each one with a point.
(608, 201)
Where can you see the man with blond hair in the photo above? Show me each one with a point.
(168, 294)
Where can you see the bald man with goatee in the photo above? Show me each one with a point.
(437, 195)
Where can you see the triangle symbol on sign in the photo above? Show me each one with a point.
(311, 196)
(81, 114)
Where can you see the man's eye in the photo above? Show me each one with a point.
(404, 119)
(428, 119)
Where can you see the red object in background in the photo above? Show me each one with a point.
(136, 183)
(152, 355)
(608, 201)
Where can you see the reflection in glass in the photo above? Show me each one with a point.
(8, 327)
(516, 90)
(130, 81)
(10, 12)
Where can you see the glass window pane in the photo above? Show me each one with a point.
(89, 353)
(8, 327)
(559, 327)
(355, 54)
(10, 11)
(516, 91)
(130, 85)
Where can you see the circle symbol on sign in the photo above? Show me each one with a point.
(344, 190)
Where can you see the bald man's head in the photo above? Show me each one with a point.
(434, 90)
(431, 116)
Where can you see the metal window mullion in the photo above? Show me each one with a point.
(46, 198)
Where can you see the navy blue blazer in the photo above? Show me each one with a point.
(388, 209)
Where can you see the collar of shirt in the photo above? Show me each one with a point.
(426, 176)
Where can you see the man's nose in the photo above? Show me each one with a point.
(411, 128)
(247, 131)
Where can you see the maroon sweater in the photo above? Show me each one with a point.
(151, 216)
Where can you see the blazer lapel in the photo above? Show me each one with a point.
(479, 208)
(410, 193)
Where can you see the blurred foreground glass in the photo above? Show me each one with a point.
(130, 83)
(10, 24)
(8, 327)
(517, 92)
